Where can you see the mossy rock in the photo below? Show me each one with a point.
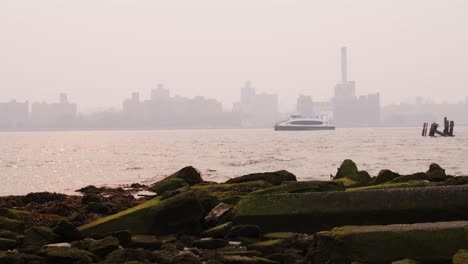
(436, 173)
(179, 213)
(6, 243)
(124, 255)
(285, 258)
(461, 257)
(234, 259)
(104, 246)
(39, 236)
(245, 231)
(229, 193)
(348, 183)
(11, 225)
(409, 184)
(406, 261)
(302, 187)
(275, 178)
(8, 257)
(8, 234)
(346, 169)
(419, 176)
(280, 235)
(64, 255)
(218, 231)
(210, 243)
(385, 176)
(268, 246)
(425, 242)
(460, 180)
(145, 241)
(189, 174)
(311, 212)
(67, 231)
(186, 258)
(167, 185)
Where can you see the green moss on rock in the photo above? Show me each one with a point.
(189, 174)
(302, 187)
(229, 193)
(385, 176)
(419, 176)
(425, 242)
(461, 257)
(409, 184)
(168, 184)
(67, 255)
(11, 224)
(179, 213)
(310, 212)
(275, 178)
(218, 231)
(6, 243)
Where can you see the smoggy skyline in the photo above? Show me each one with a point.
(100, 51)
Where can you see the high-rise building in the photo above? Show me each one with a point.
(350, 110)
(59, 114)
(13, 114)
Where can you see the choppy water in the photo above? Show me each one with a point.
(65, 161)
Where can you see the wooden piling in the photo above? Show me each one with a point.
(446, 126)
(424, 130)
(452, 124)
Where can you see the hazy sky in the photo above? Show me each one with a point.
(99, 51)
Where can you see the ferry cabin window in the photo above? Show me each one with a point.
(307, 123)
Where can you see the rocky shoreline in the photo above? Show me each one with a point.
(257, 218)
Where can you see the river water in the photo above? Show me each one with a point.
(66, 161)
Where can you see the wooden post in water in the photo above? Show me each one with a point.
(424, 130)
(452, 124)
(446, 126)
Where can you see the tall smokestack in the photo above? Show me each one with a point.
(344, 66)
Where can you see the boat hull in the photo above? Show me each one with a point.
(303, 128)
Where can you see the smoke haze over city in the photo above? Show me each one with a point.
(99, 52)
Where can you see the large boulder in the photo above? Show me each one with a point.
(167, 185)
(311, 212)
(350, 176)
(40, 235)
(424, 242)
(385, 176)
(275, 178)
(436, 173)
(67, 231)
(178, 213)
(302, 187)
(189, 174)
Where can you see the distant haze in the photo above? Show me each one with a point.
(99, 51)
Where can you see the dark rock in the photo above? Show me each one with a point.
(10, 257)
(67, 231)
(349, 175)
(411, 177)
(210, 243)
(6, 243)
(186, 258)
(189, 174)
(62, 255)
(91, 197)
(275, 178)
(347, 168)
(217, 213)
(234, 259)
(268, 246)
(99, 208)
(436, 173)
(39, 236)
(104, 246)
(89, 189)
(218, 231)
(208, 202)
(245, 231)
(385, 176)
(460, 180)
(283, 258)
(8, 234)
(43, 197)
(167, 185)
(145, 241)
(123, 236)
(11, 225)
(124, 255)
(406, 261)
(82, 244)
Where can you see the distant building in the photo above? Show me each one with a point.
(256, 110)
(54, 115)
(349, 110)
(14, 114)
(305, 106)
(165, 111)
